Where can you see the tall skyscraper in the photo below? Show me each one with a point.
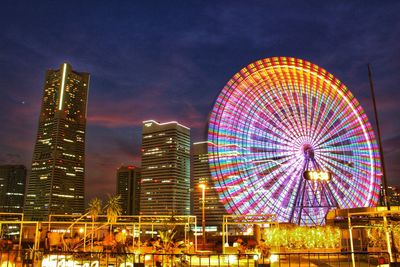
(128, 187)
(213, 208)
(56, 183)
(165, 184)
(12, 188)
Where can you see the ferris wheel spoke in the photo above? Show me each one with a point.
(349, 184)
(314, 114)
(293, 172)
(343, 137)
(266, 176)
(291, 117)
(320, 121)
(297, 112)
(308, 112)
(342, 184)
(288, 115)
(265, 125)
(329, 113)
(339, 125)
(276, 120)
(293, 184)
(323, 112)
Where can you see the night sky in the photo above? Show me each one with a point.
(168, 60)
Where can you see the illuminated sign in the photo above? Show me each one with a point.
(317, 176)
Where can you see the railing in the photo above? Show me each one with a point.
(100, 259)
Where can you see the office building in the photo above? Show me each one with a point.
(128, 187)
(214, 210)
(56, 183)
(12, 188)
(394, 195)
(165, 184)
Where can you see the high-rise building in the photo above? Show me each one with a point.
(165, 183)
(214, 210)
(128, 187)
(394, 195)
(12, 188)
(56, 183)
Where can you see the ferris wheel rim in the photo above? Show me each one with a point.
(227, 92)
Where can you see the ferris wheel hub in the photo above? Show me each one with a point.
(308, 151)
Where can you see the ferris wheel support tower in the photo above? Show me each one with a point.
(316, 181)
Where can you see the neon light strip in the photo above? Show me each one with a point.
(166, 123)
(62, 86)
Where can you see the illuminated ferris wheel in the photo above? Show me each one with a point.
(279, 118)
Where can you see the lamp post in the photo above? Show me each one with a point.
(203, 217)
(385, 186)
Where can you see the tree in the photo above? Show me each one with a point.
(167, 235)
(113, 209)
(93, 210)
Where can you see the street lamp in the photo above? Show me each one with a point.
(203, 217)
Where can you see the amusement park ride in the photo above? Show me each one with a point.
(277, 124)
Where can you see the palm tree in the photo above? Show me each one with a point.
(93, 210)
(113, 209)
(88, 212)
(167, 234)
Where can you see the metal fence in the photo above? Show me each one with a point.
(100, 259)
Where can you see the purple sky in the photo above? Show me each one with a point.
(168, 60)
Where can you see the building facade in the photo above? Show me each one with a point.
(56, 183)
(394, 195)
(214, 210)
(165, 183)
(128, 187)
(12, 188)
